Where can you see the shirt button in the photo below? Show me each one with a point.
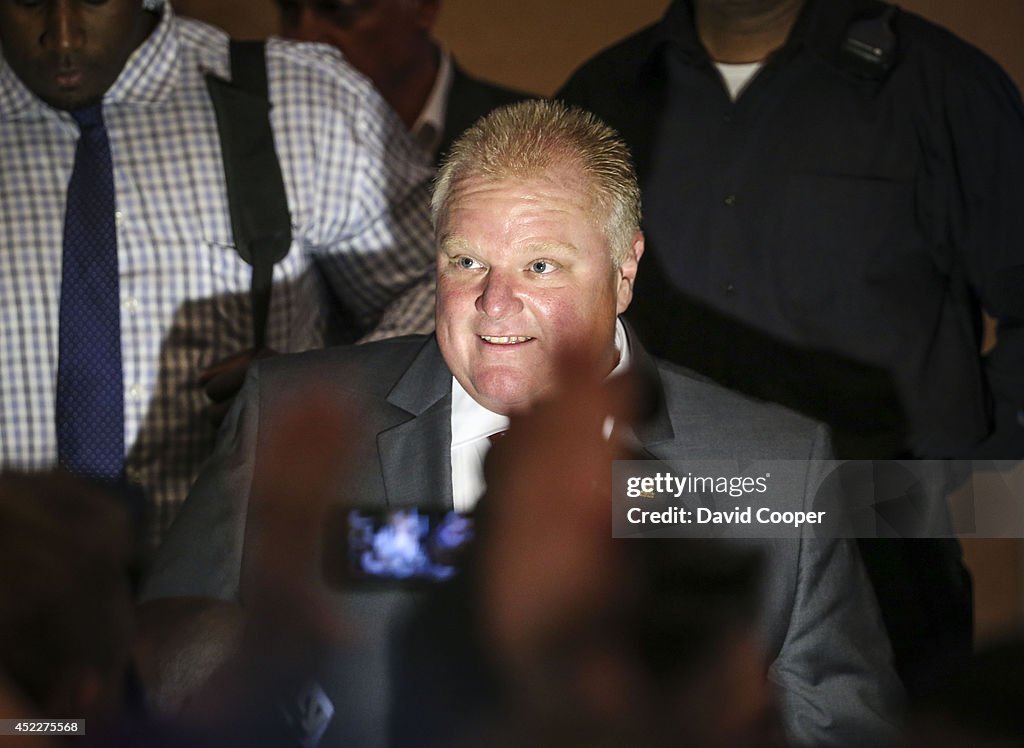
(730, 289)
(730, 200)
(118, 218)
(135, 391)
(130, 304)
(727, 118)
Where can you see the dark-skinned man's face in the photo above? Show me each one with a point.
(69, 52)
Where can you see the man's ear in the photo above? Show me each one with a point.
(626, 274)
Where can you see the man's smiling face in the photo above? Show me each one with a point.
(525, 274)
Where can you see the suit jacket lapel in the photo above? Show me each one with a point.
(654, 425)
(415, 455)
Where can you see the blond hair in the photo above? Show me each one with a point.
(534, 138)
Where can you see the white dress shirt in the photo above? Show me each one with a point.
(428, 129)
(737, 75)
(358, 193)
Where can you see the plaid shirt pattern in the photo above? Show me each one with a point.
(358, 191)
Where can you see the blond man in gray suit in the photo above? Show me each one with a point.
(537, 216)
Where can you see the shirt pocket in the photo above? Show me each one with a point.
(847, 246)
(294, 304)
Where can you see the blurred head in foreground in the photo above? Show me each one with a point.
(981, 706)
(65, 594)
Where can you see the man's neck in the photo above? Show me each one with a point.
(738, 31)
(407, 92)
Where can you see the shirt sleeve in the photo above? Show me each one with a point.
(202, 552)
(411, 313)
(360, 187)
(980, 157)
(834, 672)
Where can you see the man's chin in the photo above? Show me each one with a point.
(71, 101)
(78, 93)
(506, 400)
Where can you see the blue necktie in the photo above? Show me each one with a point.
(90, 391)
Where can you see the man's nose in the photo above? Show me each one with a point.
(63, 30)
(500, 296)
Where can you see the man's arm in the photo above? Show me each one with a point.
(358, 192)
(202, 553)
(368, 185)
(981, 157)
(837, 683)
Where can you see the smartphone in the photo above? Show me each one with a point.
(404, 546)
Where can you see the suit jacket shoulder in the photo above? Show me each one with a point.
(710, 421)
(397, 388)
(366, 371)
(816, 596)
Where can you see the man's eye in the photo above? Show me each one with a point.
(466, 263)
(542, 267)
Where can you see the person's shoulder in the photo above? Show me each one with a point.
(371, 368)
(317, 93)
(202, 47)
(310, 56)
(317, 65)
(719, 419)
(927, 45)
(467, 84)
(919, 35)
(612, 66)
(196, 33)
(624, 54)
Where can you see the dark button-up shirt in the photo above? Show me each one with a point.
(829, 240)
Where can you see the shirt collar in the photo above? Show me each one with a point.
(149, 75)
(472, 421)
(821, 25)
(428, 128)
(15, 98)
(622, 346)
(152, 72)
(678, 29)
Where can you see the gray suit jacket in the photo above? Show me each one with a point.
(820, 623)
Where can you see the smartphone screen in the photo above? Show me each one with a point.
(402, 545)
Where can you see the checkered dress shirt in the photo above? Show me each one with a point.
(358, 193)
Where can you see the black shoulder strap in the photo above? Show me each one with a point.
(260, 220)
